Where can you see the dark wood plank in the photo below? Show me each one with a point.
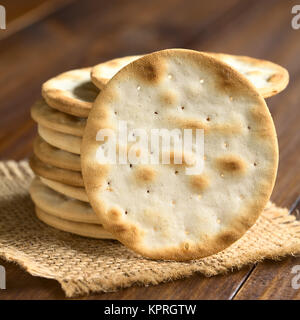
(21, 285)
(20, 13)
(273, 281)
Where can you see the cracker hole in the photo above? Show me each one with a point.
(155, 112)
(176, 172)
(108, 188)
(116, 112)
(148, 191)
(130, 165)
(182, 107)
(126, 212)
(255, 164)
(208, 119)
(249, 128)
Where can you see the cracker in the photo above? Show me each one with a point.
(61, 206)
(73, 178)
(71, 92)
(57, 120)
(103, 72)
(78, 228)
(54, 156)
(269, 78)
(77, 193)
(60, 140)
(159, 211)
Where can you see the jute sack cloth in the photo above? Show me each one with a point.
(83, 266)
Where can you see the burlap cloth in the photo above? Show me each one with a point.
(84, 265)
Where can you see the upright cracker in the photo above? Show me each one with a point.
(54, 156)
(61, 206)
(159, 211)
(71, 92)
(57, 120)
(60, 140)
(103, 72)
(72, 178)
(269, 78)
(78, 228)
(77, 193)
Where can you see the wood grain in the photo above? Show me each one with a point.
(82, 35)
(272, 281)
(20, 14)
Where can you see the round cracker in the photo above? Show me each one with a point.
(82, 229)
(71, 92)
(72, 178)
(103, 72)
(61, 206)
(57, 120)
(60, 140)
(158, 211)
(77, 193)
(268, 78)
(54, 156)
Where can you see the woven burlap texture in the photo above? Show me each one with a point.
(83, 266)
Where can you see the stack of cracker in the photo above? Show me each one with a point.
(61, 114)
(150, 209)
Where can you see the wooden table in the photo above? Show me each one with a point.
(46, 37)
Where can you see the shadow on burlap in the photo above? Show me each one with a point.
(83, 265)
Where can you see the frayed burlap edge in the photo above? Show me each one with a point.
(86, 287)
(76, 288)
(46, 252)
